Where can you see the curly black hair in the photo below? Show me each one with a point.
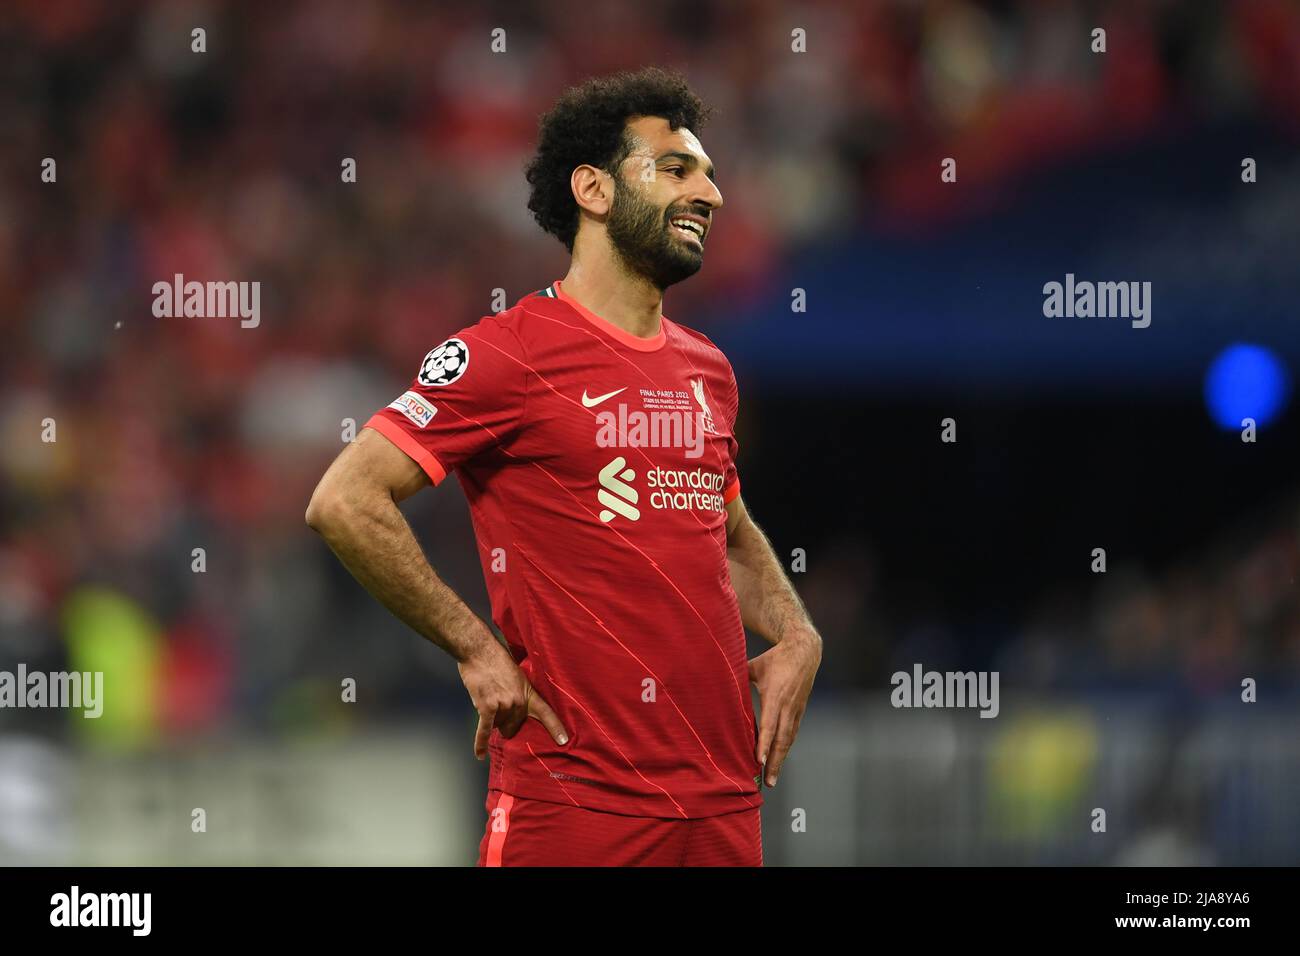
(588, 126)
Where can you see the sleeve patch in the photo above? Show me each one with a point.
(415, 408)
(444, 364)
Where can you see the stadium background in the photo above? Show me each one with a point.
(1119, 691)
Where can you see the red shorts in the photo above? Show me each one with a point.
(524, 832)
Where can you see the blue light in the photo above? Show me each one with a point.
(1246, 381)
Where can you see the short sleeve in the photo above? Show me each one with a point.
(468, 396)
(731, 477)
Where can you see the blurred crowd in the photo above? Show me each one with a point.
(162, 530)
(1192, 630)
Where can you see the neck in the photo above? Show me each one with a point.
(628, 301)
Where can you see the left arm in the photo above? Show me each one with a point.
(770, 607)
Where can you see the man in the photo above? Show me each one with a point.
(594, 439)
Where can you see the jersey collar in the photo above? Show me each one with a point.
(652, 344)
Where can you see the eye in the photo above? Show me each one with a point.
(680, 169)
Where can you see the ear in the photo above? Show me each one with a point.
(593, 189)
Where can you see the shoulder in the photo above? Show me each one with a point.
(490, 346)
(701, 347)
(692, 334)
(695, 340)
(501, 331)
(531, 320)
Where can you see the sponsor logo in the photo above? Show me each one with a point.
(682, 490)
(615, 493)
(593, 402)
(444, 364)
(670, 489)
(414, 407)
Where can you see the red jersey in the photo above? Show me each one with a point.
(597, 466)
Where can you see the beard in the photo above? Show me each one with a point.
(642, 240)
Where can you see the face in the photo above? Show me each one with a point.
(680, 187)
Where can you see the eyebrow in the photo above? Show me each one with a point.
(688, 158)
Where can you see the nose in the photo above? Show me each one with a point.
(706, 192)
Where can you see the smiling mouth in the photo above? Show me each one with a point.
(688, 230)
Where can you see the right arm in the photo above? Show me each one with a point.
(354, 508)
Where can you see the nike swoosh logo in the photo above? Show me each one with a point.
(593, 402)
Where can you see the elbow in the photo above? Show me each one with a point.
(325, 509)
(341, 502)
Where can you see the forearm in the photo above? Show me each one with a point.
(372, 539)
(769, 604)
